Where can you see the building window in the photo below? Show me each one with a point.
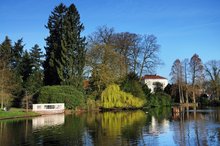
(49, 106)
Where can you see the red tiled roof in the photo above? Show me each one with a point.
(152, 77)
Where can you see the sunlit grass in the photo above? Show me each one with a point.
(16, 112)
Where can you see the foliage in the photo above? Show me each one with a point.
(6, 74)
(106, 63)
(132, 85)
(160, 99)
(158, 87)
(204, 100)
(113, 97)
(25, 69)
(36, 56)
(65, 48)
(92, 104)
(112, 55)
(61, 94)
(146, 90)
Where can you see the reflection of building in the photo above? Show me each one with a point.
(156, 128)
(153, 80)
(50, 108)
(48, 120)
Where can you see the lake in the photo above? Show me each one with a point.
(152, 127)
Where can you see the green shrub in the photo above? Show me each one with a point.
(160, 99)
(113, 97)
(61, 94)
(132, 85)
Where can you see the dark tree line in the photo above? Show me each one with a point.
(63, 62)
(21, 71)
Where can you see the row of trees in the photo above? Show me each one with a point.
(191, 78)
(106, 57)
(21, 72)
(24, 72)
(111, 56)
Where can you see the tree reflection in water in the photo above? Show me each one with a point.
(156, 127)
(116, 128)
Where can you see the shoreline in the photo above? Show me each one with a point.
(31, 114)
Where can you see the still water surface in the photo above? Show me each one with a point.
(155, 127)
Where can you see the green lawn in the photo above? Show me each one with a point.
(15, 113)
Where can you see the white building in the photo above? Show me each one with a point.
(152, 80)
(49, 108)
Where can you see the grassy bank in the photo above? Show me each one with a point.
(16, 113)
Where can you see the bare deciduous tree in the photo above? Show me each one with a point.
(196, 73)
(212, 69)
(177, 77)
(149, 54)
(186, 87)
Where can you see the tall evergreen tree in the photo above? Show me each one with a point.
(74, 45)
(65, 50)
(54, 62)
(17, 53)
(5, 72)
(6, 51)
(25, 69)
(36, 57)
(35, 80)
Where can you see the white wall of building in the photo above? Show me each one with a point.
(150, 83)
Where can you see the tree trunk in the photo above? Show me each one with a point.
(180, 94)
(187, 96)
(194, 96)
(26, 96)
(2, 89)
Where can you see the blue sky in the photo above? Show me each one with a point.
(183, 27)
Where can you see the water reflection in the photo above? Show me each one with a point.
(116, 128)
(156, 127)
(196, 127)
(48, 120)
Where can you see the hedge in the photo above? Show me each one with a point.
(61, 94)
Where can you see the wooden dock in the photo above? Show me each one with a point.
(185, 104)
(179, 107)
